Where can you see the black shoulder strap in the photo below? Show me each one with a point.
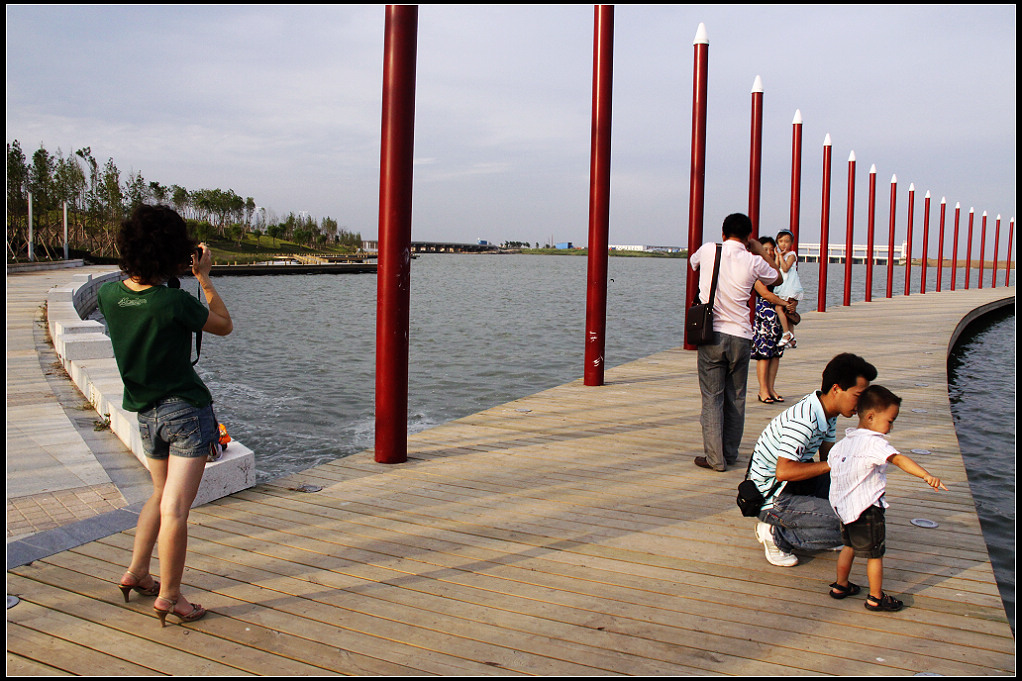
(716, 271)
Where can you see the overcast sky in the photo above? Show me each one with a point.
(283, 104)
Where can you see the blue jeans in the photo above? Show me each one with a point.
(803, 518)
(723, 376)
(175, 427)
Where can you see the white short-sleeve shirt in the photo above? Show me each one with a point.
(858, 472)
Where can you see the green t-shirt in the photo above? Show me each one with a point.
(151, 332)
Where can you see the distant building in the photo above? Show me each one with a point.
(564, 245)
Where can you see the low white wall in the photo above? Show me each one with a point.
(88, 357)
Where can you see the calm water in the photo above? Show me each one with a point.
(295, 381)
(982, 394)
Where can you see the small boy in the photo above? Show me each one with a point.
(857, 474)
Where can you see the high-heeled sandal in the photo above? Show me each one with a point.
(126, 589)
(197, 612)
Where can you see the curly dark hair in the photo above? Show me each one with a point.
(154, 244)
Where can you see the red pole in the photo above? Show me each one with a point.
(796, 178)
(968, 249)
(890, 237)
(395, 231)
(926, 241)
(821, 305)
(870, 224)
(954, 247)
(599, 194)
(908, 238)
(1007, 262)
(982, 248)
(756, 155)
(697, 169)
(940, 243)
(849, 224)
(997, 238)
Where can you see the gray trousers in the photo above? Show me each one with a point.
(723, 377)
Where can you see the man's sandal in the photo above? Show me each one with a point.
(883, 604)
(837, 591)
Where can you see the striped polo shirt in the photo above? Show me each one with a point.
(796, 434)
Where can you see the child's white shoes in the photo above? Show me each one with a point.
(787, 340)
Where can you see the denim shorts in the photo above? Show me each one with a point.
(175, 427)
(868, 534)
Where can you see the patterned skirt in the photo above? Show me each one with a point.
(766, 331)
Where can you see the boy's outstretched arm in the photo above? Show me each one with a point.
(911, 467)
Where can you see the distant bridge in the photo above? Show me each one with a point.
(836, 253)
(438, 247)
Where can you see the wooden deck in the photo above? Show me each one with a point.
(566, 533)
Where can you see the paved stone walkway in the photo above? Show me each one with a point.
(63, 468)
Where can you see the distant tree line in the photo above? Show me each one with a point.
(97, 200)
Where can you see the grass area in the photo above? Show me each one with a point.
(254, 249)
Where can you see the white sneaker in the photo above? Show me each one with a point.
(774, 556)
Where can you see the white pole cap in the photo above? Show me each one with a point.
(757, 85)
(701, 37)
(797, 120)
(851, 157)
(894, 179)
(943, 200)
(873, 169)
(911, 186)
(927, 195)
(826, 140)
(958, 205)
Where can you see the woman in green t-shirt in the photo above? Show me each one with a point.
(151, 327)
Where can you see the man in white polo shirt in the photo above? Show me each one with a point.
(724, 364)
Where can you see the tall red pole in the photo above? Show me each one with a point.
(1007, 262)
(908, 237)
(940, 243)
(756, 155)
(870, 225)
(890, 236)
(968, 249)
(821, 304)
(697, 169)
(926, 241)
(982, 249)
(796, 178)
(599, 194)
(849, 227)
(997, 239)
(954, 247)
(395, 233)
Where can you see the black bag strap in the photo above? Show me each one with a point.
(772, 489)
(716, 271)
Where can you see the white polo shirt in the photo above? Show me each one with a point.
(739, 271)
(858, 472)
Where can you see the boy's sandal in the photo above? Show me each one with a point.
(885, 603)
(837, 591)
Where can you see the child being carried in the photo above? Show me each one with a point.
(790, 288)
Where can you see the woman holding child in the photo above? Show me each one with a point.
(766, 334)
